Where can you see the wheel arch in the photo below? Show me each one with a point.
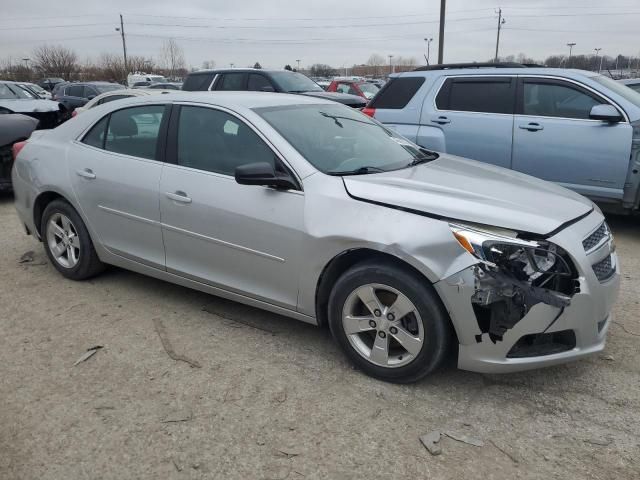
(40, 204)
(341, 263)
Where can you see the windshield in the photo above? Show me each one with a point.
(368, 89)
(625, 92)
(157, 79)
(340, 140)
(295, 82)
(10, 92)
(36, 88)
(108, 88)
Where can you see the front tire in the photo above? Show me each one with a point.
(389, 321)
(67, 242)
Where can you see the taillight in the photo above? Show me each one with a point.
(369, 111)
(15, 150)
(74, 113)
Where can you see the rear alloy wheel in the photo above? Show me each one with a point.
(389, 321)
(67, 242)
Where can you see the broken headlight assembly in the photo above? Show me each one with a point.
(513, 275)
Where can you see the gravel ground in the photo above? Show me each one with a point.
(274, 398)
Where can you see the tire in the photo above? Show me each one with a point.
(425, 332)
(67, 242)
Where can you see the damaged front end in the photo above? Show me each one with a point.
(512, 276)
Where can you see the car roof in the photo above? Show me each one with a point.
(562, 72)
(239, 70)
(233, 100)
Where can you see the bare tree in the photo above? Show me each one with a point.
(54, 60)
(138, 63)
(112, 67)
(172, 57)
(376, 61)
(208, 65)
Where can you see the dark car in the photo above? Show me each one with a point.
(74, 95)
(13, 128)
(165, 86)
(258, 80)
(49, 83)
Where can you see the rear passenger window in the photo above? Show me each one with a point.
(215, 141)
(397, 93)
(95, 137)
(134, 131)
(477, 95)
(231, 81)
(75, 91)
(198, 82)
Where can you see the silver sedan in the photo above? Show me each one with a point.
(310, 209)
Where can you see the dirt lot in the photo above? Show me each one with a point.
(274, 398)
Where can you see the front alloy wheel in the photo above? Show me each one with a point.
(389, 321)
(383, 325)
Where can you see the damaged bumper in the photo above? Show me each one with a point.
(553, 329)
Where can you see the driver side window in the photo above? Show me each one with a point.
(557, 100)
(215, 141)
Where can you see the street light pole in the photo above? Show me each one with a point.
(391, 69)
(443, 8)
(570, 45)
(298, 65)
(428, 40)
(597, 50)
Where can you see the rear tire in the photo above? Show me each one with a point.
(378, 305)
(67, 242)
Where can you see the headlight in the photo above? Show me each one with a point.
(524, 259)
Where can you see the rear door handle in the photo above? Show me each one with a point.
(178, 196)
(86, 173)
(441, 120)
(532, 127)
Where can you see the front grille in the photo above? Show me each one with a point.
(604, 269)
(596, 237)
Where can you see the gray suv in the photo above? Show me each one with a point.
(573, 127)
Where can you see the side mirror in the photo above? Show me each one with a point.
(606, 113)
(263, 173)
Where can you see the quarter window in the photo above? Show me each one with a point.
(555, 100)
(487, 95)
(95, 137)
(215, 141)
(75, 91)
(198, 81)
(397, 93)
(135, 131)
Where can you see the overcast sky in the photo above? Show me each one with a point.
(337, 32)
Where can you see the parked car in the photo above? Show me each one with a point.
(576, 128)
(13, 128)
(361, 88)
(49, 83)
(147, 78)
(312, 210)
(633, 83)
(36, 89)
(259, 80)
(74, 95)
(15, 99)
(117, 95)
(378, 82)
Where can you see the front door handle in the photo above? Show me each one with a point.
(86, 173)
(178, 196)
(532, 127)
(441, 120)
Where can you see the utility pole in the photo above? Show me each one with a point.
(298, 65)
(390, 64)
(443, 8)
(124, 44)
(428, 40)
(570, 45)
(597, 50)
(501, 21)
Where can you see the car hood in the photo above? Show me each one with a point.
(28, 105)
(465, 190)
(344, 98)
